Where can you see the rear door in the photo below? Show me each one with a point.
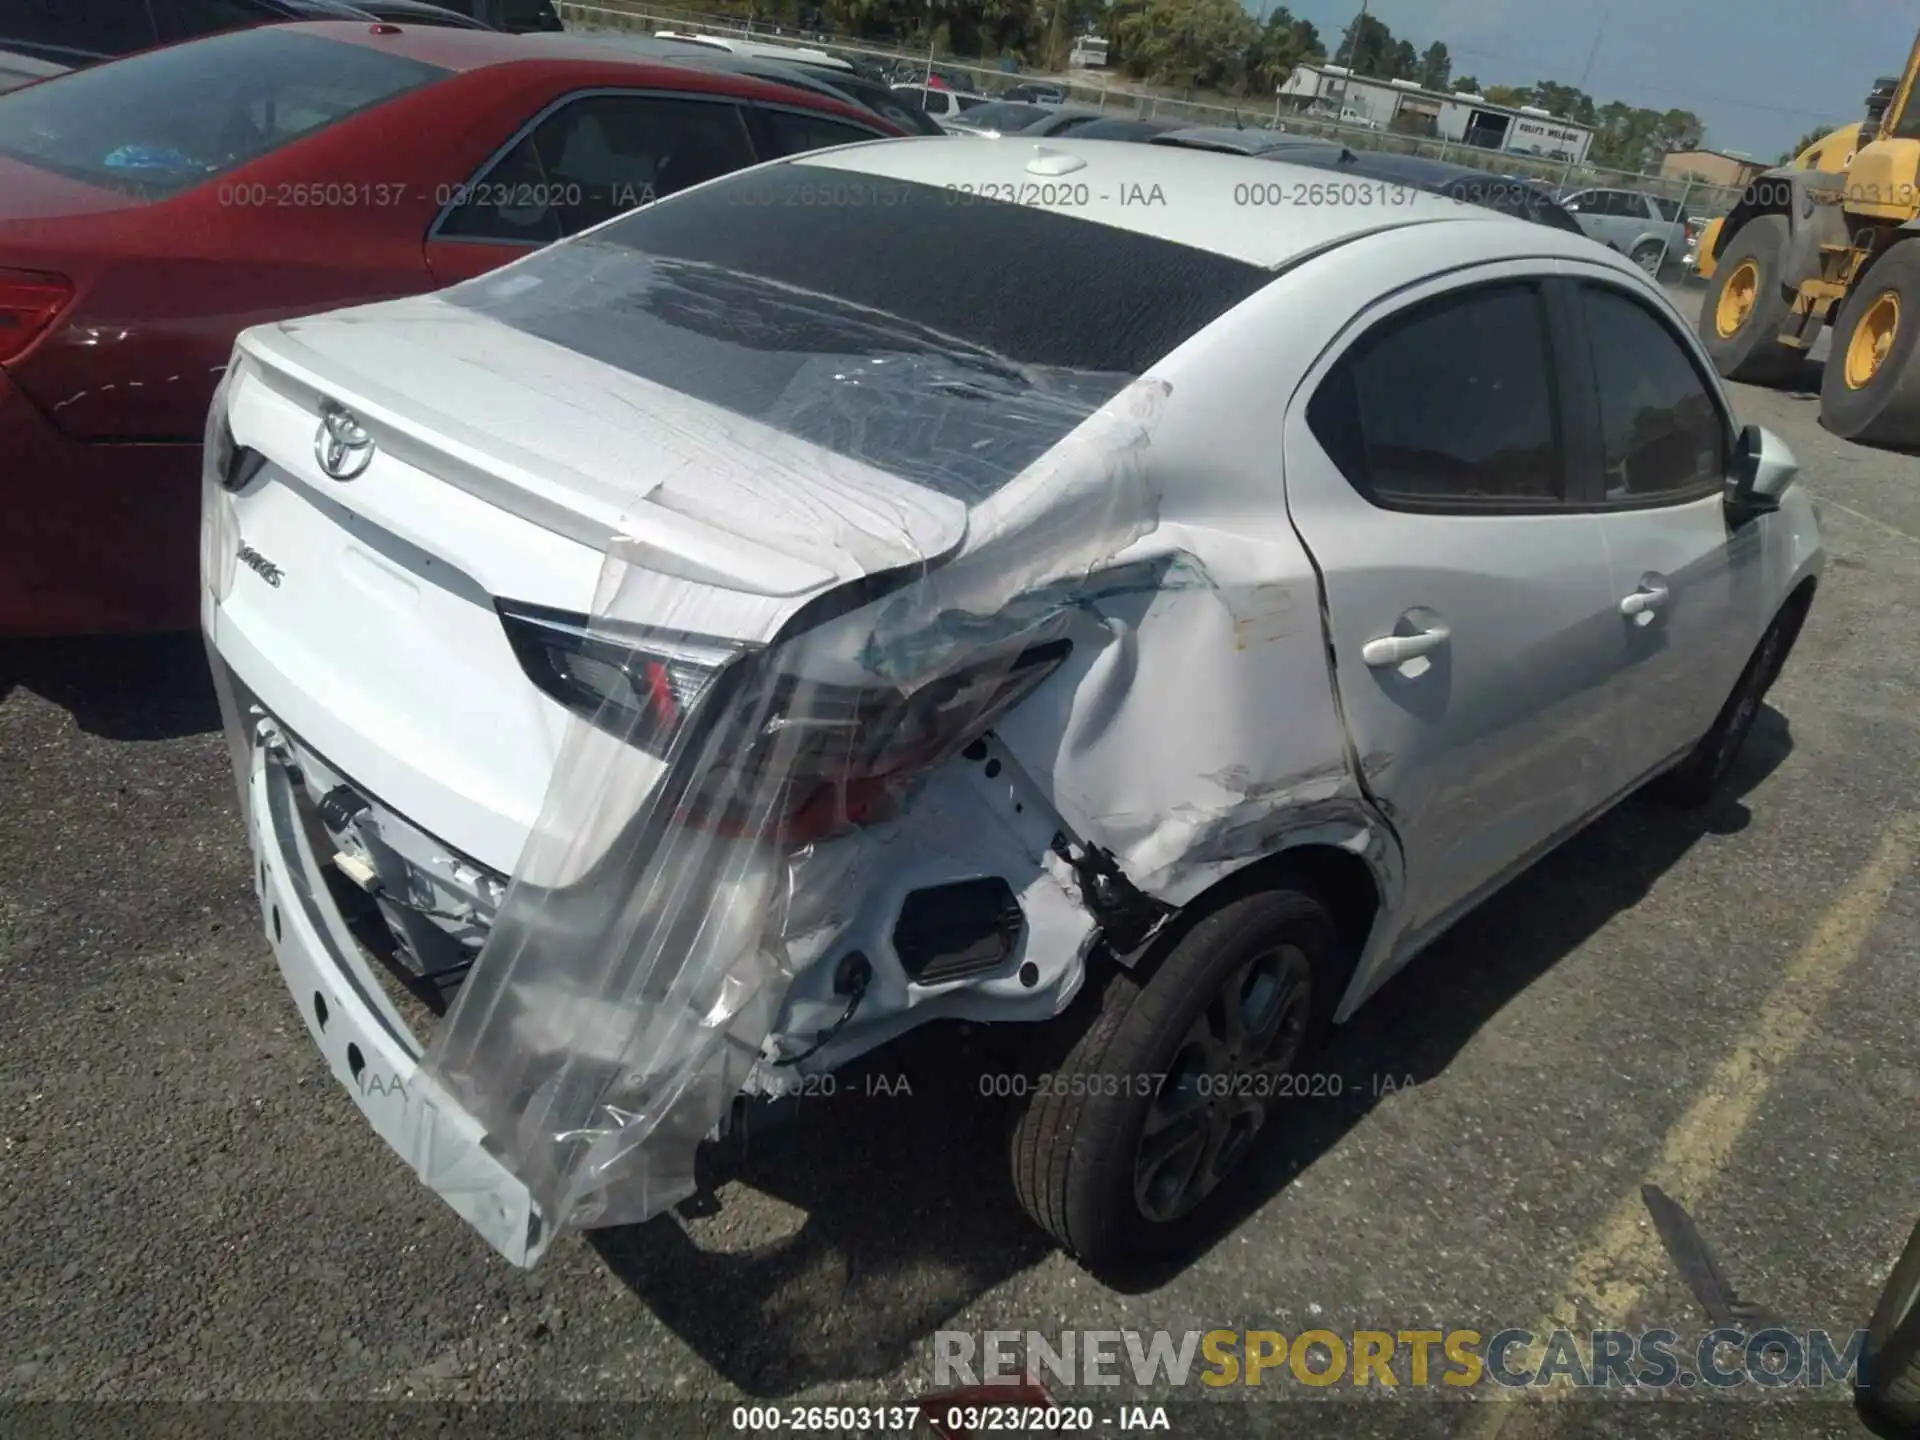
(1690, 598)
(1469, 601)
(585, 158)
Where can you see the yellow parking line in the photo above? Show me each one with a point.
(1610, 1276)
(1881, 525)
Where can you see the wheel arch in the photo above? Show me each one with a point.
(1788, 193)
(1357, 881)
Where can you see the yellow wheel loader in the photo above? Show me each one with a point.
(1831, 239)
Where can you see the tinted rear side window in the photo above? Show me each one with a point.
(950, 343)
(160, 123)
(1448, 405)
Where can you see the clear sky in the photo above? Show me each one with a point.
(1760, 73)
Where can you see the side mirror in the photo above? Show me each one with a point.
(1763, 468)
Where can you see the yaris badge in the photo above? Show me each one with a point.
(341, 446)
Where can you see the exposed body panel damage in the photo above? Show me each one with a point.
(646, 968)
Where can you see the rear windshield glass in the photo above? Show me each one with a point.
(159, 123)
(943, 338)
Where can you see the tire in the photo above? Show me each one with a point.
(1748, 350)
(1892, 1358)
(1872, 394)
(1080, 1147)
(1698, 778)
(1650, 257)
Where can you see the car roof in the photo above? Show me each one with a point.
(1242, 142)
(845, 86)
(759, 50)
(420, 13)
(1186, 196)
(463, 50)
(1421, 170)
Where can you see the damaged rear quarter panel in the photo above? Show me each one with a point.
(1205, 735)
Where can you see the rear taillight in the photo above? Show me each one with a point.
(641, 689)
(829, 758)
(29, 301)
(781, 757)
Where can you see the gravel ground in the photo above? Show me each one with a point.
(192, 1210)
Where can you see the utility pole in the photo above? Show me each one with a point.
(1594, 52)
(1359, 20)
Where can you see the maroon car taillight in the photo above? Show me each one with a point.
(29, 301)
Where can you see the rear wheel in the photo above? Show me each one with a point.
(1741, 313)
(1648, 255)
(1871, 391)
(1121, 1149)
(1893, 1343)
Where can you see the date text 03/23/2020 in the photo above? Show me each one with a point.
(945, 1418)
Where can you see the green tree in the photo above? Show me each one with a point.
(1565, 100)
(1283, 43)
(1627, 138)
(1366, 46)
(1192, 44)
(1802, 143)
(1436, 67)
(1403, 61)
(1509, 95)
(1467, 85)
(1677, 130)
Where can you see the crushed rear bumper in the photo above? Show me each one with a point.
(366, 1042)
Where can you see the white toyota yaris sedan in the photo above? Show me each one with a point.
(1142, 594)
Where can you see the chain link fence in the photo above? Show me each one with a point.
(1113, 94)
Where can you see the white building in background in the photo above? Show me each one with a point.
(1336, 93)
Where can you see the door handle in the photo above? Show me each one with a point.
(1642, 603)
(1398, 649)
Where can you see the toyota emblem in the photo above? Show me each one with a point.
(341, 446)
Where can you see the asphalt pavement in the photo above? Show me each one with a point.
(191, 1209)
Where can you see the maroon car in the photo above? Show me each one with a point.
(153, 207)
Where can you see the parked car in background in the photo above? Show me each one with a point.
(1507, 194)
(151, 207)
(418, 12)
(1019, 117)
(516, 17)
(1107, 127)
(1037, 92)
(963, 655)
(942, 77)
(1648, 229)
(1270, 144)
(74, 34)
(17, 69)
(940, 103)
(1696, 231)
(759, 49)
